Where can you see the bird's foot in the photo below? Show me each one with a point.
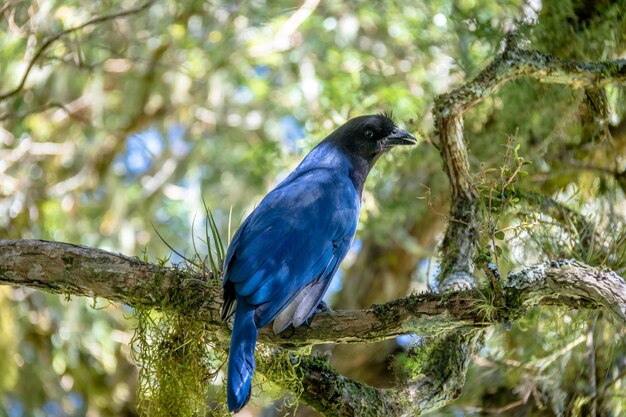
(322, 307)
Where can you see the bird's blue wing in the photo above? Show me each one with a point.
(228, 308)
(232, 247)
(291, 241)
(306, 301)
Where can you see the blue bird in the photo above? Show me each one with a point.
(283, 256)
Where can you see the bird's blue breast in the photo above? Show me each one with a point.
(296, 237)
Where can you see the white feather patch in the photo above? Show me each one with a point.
(285, 317)
(309, 303)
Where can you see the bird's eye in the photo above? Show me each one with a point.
(369, 134)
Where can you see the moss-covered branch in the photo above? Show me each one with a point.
(78, 270)
(570, 283)
(436, 382)
(70, 269)
(513, 62)
(65, 268)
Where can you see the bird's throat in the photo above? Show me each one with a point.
(360, 167)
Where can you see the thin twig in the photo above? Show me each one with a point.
(51, 39)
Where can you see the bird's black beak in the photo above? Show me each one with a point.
(399, 137)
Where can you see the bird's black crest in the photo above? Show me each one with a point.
(388, 114)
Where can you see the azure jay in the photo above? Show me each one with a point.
(283, 256)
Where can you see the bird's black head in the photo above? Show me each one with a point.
(368, 137)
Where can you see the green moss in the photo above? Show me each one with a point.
(409, 365)
(385, 313)
(176, 355)
(284, 366)
(336, 394)
(177, 361)
(437, 358)
(515, 306)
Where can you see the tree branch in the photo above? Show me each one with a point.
(513, 62)
(438, 382)
(458, 249)
(51, 39)
(64, 268)
(569, 283)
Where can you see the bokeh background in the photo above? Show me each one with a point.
(124, 126)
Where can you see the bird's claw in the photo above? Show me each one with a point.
(322, 307)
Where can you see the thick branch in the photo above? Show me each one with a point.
(439, 381)
(65, 268)
(514, 62)
(78, 270)
(459, 243)
(570, 283)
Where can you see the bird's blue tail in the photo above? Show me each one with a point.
(241, 357)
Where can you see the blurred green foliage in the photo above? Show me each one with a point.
(125, 125)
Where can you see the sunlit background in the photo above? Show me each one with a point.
(119, 129)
